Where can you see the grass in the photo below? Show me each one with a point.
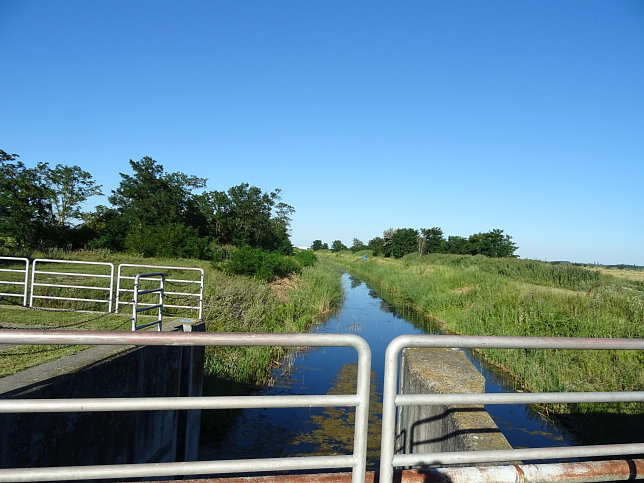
(476, 295)
(231, 304)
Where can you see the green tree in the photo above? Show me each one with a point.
(358, 245)
(153, 197)
(318, 245)
(404, 241)
(458, 245)
(153, 213)
(492, 244)
(245, 215)
(24, 214)
(432, 240)
(68, 187)
(376, 245)
(338, 246)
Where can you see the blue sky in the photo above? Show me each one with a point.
(468, 115)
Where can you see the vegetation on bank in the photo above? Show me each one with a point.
(232, 303)
(477, 295)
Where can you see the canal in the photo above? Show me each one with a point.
(270, 433)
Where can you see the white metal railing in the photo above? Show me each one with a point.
(136, 310)
(392, 400)
(196, 296)
(24, 282)
(360, 400)
(63, 276)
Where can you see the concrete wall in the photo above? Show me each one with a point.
(428, 429)
(62, 439)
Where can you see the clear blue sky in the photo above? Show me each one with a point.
(468, 115)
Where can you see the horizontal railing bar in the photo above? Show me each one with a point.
(513, 342)
(51, 297)
(18, 295)
(518, 398)
(524, 454)
(172, 403)
(123, 277)
(69, 286)
(173, 469)
(154, 290)
(9, 282)
(72, 274)
(156, 322)
(92, 337)
(16, 270)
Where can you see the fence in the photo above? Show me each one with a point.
(136, 310)
(86, 271)
(392, 400)
(46, 284)
(360, 400)
(17, 279)
(195, 296)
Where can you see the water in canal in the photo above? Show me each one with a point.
(269, 433)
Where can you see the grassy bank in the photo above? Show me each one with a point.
(477, 295)
(231, 303)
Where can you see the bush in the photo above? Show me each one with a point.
(255, 262)
(306, 258)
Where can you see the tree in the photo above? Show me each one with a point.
(318, 245)
(153, 197)
(492, 244)
(68, 187)
(432, 240)
(457, 245)
(243, 215)
(338, 246)
(24, 214)
(376, 245)
(357, 245)
(404, 241)
(150, 207)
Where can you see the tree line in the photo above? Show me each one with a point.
(151, 212)
(402, 241)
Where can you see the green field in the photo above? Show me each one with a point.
(476, 295)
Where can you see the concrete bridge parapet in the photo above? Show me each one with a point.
(429, 429)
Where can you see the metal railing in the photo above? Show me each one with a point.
(360, 400)
(392, 400)
(197, 296)
(136, 310)
(24, 283)
(64, 276)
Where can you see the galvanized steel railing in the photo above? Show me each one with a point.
(360, 400)
(136, 310)
(197, 296)
(392, 400)
(24, 282)
(108, 289)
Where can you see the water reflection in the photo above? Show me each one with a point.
(262, 433)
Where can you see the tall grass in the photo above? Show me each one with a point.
(476, 295)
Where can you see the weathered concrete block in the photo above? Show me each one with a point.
(428, 429)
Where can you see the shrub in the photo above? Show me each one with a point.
(306, 258)
(255, 262)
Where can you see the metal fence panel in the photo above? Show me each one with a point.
(391, 400)
(360, 400)
(16, 280)
(191, 300)
(69, 277)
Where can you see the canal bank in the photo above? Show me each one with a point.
(261, 433)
